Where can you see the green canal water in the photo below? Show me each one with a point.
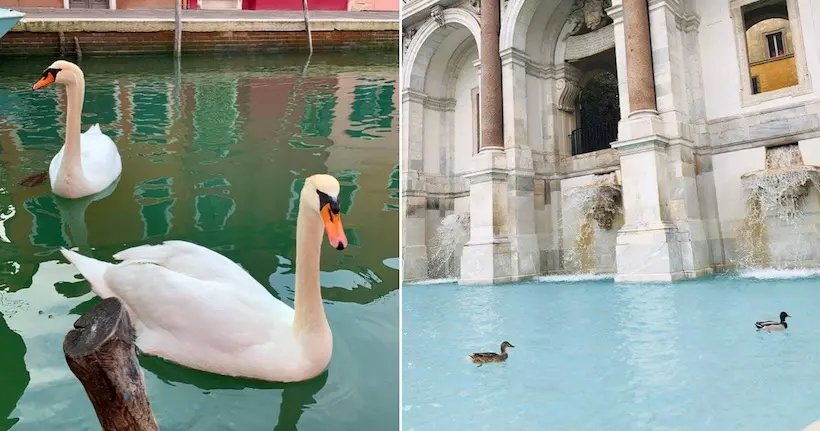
(215, 150)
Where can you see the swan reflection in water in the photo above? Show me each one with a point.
(296, 397)
(72, 213)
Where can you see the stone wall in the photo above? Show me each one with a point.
(17, 43)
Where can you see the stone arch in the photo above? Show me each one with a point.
(438, 74)
(440, 54)
(533, 26)
(457, 61)
(424, 43)
(766, 12)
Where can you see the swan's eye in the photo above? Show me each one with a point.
(325, 199)
(52, 73)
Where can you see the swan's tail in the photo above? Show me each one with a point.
(93, 270)
(94, 129)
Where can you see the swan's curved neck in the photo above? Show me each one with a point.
(309, 310)
(72, 163)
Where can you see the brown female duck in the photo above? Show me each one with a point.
(485, 357)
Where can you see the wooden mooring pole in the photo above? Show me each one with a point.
(307, 25)
(100, 352)
(178, 28)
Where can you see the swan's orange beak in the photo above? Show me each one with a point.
(45, 81)
(333, 228)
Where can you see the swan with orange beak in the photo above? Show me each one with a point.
(196, 307)
(89, 162)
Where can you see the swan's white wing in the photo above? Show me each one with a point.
(172, 308)
(54, 166)
(193, 260)
(101, 159)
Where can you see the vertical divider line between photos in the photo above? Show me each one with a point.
(401, 218)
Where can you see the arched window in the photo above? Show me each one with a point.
(597, 114)
(770, 50)
(769, 45)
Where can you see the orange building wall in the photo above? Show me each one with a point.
(774, 75)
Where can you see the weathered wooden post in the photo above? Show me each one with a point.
(307, 25)
(100, 352)
(178, 28)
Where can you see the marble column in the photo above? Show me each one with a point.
(639, 71)
(490, 94)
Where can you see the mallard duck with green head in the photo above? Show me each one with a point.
(771, 325)
(485, 357)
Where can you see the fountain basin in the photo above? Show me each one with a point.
(607, 347)
(8, 18)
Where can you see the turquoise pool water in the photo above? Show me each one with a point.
(598, 356)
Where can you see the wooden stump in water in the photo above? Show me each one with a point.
(100, 352)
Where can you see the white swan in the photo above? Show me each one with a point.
(197, 308)
(88, 163)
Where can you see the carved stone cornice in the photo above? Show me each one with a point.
(472, 6)
(514, 56)
(568, 72)
(539, 70)
(407, 38)
(616, 13)
(568, 92)
(495, 175)
(437, 13)
(687, 23)
(410, 95)
(567, 87)
(440, 104)
(641, 145)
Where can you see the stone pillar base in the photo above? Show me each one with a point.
(414, 247)
(486, 258)
(414, 263)
(486, 263)
(655, 253)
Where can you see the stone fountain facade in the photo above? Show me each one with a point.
(490, 91)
